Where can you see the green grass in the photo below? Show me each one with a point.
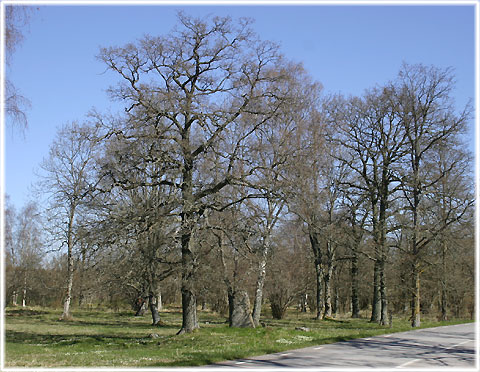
(35, 337)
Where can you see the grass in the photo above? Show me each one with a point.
(35, 337)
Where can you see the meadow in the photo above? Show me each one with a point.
(35, 337)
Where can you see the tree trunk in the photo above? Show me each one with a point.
(444, 303)
(383, 294)
(230, 295)
(141, 306)
(382, 224)
(444, 282)
(14, 298)
(304, 303)
(241, 314)
(328, 290)
(336, 303)
(355, 300)
(24, 299)
(416, 297)
(159, 301)
(81, 279)
(68, 296)
(189, 312)
(257, 305)
(376, 300)
(189, 300)
(315, 244)
(320, 306)
(154, 309)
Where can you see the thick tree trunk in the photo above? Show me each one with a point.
(231, 298)
(376, 300)
(319, 277)
(315, 244)
(354, 274)
(443, 315)
(189, 311)
(336, 303)
(189, 300)
(241, 313)
(141, 307)
(154, 309)
(257, 304)
(328, 290)
(14, 298)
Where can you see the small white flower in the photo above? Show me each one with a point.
(284, 341)
(303, 338)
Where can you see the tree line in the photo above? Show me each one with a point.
(230, 175)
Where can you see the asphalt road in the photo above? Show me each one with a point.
(449, 346)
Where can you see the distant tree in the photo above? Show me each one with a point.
(424, 104)
(356, 214)
(24, 253)
(270, 151)
(67, 180)
(305, 189)
(373, 146)
(10, 251)
(291, 273)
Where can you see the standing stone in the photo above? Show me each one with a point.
(241, 315)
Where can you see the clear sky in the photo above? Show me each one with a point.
(346, 48)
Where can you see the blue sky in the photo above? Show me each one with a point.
(346, 48)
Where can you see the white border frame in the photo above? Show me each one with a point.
(474, 3)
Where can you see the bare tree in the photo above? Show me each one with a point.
(24, 243)
(427, 116)
(271, 150)
(306, 173)
(449, 207)
(373, 143)
(195, 85)
(16, 20)
(67, 180)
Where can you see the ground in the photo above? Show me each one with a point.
(35, 337)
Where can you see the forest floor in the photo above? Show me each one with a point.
(35, 337)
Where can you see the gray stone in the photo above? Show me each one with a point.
(304, 329)
(241, 315)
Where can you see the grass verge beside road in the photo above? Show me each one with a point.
(36, 338)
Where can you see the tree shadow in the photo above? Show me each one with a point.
(65, 339)
(24, 312)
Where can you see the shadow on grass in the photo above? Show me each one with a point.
(79, 322)
(16, 337)
(24, 312)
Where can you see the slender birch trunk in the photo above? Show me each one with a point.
(68, 296)
(257, 305)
